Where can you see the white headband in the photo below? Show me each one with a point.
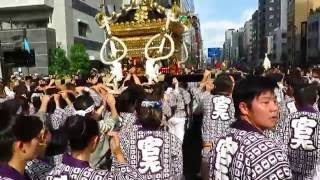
(84, 112)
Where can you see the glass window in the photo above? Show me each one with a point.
(82, 29)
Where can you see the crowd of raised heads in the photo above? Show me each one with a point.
(230, 124)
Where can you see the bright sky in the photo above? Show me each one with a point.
(216, 16)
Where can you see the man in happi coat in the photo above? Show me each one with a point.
(303, 134)
(157, 155)
(245, 152)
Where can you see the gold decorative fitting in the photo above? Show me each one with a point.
(176, 9)
(137, 29)
(100, 19)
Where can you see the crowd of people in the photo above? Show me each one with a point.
(228, 124)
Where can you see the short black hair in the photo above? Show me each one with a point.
(80, 130)
(278, 77)
(28, 78)
(129, 99)
(223, 84)
(7, 137)
(249, 88)
(16, 128)
(11, 106)
(59, 142)
(27, 127)
(83, 102)
(306, 95)
(150, 117)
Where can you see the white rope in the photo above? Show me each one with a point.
(151, 70)
(104, 46)
(116, 67)
(186, 53)
(166, 36)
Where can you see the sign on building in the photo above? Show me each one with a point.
(214, 52)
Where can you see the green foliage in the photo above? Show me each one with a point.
(79, 59)
(59, 64)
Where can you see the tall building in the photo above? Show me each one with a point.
(237, 46)
(313, 39)
(280, 36)
(49, 24)
(227, 45)
(298, 13)
(255, 38)
(247, 41)
(269, 19)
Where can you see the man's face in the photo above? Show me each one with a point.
(264, 111)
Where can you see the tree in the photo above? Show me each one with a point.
(59, 64)
(79, 59)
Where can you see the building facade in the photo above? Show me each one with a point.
(237, 50)
(227, 55)
(298, 13)
(269, 19)
(50, 23)
(255, 38)
(313, 39)
(280, 36)
(32, 23)
(247, 41)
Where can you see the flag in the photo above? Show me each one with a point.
(26, 45)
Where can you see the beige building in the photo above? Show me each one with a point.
(51, 23)
(298, 13)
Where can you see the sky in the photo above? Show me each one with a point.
(216, 16)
